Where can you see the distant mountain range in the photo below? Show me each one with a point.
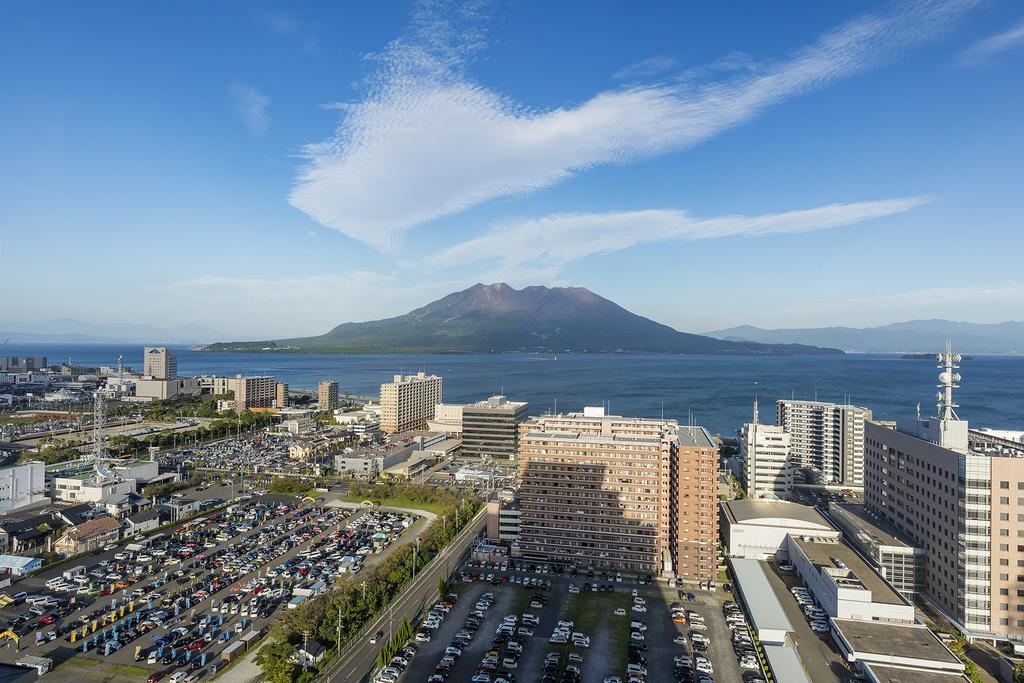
(914, 336)
(68, 330)
(499, 319)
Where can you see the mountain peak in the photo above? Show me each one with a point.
(489, 318)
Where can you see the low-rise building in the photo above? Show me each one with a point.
(844, 585)
(88, 536)
(885, 652)
(892, 555)
(18, 565)
(142, 522)
(757, 528)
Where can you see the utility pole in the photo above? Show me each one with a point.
(337, 645)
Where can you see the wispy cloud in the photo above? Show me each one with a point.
(251, 106)
(290, 26)
(646, 68)
(983, 50)
(427, 141)
(545, 244)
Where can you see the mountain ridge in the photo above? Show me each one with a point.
(910, 336)
(496, 318)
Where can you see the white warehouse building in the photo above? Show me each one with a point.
(757, 529)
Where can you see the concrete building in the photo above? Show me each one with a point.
(162, 389)
(281, 395)
(367, 463)
(892, 556)
(826, 438)
(891, 653)
(619, 493)
(255, 392)
(22, 485)
(87, 487)
(763, 465)
(503, 520)
(210, 385)
(757, 528)
(328, 395)
(843, 584)
(962, 506)
(22, 363)
(408, 402)
(159, 363)
(447, 419)
(491, 428)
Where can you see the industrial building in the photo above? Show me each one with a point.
(900, 562)
(757, 528)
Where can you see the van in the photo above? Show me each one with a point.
(637, 626)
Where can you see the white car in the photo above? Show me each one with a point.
(639, 609)
(620, 612)
(704, 664)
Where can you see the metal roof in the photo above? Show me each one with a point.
(785, 664)
(751, 510)
(766, 611)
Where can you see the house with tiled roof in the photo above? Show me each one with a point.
(89, 535)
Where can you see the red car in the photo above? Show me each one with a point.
(155, 676)
(196, 645)
(46, 619)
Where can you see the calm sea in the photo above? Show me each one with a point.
(717, 391)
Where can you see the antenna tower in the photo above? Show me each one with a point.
(949, 379)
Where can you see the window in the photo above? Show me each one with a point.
(1004, 484)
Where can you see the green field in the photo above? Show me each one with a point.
(88, 670)
(593, 611)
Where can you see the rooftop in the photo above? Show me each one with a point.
(824, 554)
(894, 640)
(752, 510)
(785, 664)
(765, 609)
(881, 531)
(893, 674)
(695, 436)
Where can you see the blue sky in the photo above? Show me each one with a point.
(271, 169)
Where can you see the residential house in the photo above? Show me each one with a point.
(141, 522)
(89, 535)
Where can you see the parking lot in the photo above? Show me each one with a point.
(583, 636)
(179, 602)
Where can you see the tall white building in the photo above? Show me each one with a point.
(408, 402)
(159, 363)
(827, 438)
(21, 485)
(763, 465)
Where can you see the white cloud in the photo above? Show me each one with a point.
(983, 50)
(545, 244)
(427, 141)
(251, 106)
(646, 68)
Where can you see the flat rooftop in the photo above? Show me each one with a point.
(881, 531)
(695, 436)
(765, 609)
(751, 510)
(893, 640)
(892, 674)
(822, 555)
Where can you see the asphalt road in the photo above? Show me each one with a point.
(357, 664)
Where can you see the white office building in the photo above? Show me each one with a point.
(763, 465)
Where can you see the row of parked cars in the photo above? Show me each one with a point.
(743, 643)
(817, 617)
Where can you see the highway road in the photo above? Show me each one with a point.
(357, 663)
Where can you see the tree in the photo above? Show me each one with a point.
(1018, 672)
(442, 587)
(276, 660)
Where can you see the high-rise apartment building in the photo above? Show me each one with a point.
(763, 465)
(491, 428)
(281, 395)
(255, 392)
(328, 395)
(22, 363)
(827, 438)
(619, 493)
(159, 363)
(408, 402)
(961, 502)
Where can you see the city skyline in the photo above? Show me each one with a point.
(269, 172)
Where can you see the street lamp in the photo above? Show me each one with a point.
(414, 556)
